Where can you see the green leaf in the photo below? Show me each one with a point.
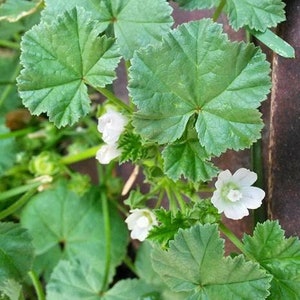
(8, 149)
(131, 146)
(169, 226)
(131, 289)
(275, 43)
(196, 4)
(11, 289)
(16, 252)
(74, 280)
(188, 159)
(135, 23)
(144, 269)
(256, 14)
(9, 66)
(12, 10)
(198, 72)
(279, 256)
(65, 225)
(78, 280)
(55, 75)
(195, 263)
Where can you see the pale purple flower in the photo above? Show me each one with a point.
(111, 125)
(107, 153)
(140, 222)
(234, 194)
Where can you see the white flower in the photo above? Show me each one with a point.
(107, 153)
(140, 221)
(234, 194)
(111, 125)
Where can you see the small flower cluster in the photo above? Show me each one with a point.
(111, 125)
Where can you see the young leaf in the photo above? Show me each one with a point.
(256, 14)
(198, 72)
(279, 256)
(68, 55)
(195, 263)
(16, 252)
(8, 149)
(196, 4)
(63, 225)
(188, 159)
(275, 43)
(13, 11)
(169, 226)
(135, 23)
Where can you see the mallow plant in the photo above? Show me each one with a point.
(154, 231)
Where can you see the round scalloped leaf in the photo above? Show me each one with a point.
(78, 280)
(63, 225)
(194, 263)
(198, 72)
(280, 256)
(135, 23)
(67, 55)
(256, 14)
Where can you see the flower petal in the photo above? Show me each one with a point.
(223, 177)
(107, 153)
(236, 211)
(218, 202)
(244, 177)
(252, 196)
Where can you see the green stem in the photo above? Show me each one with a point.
(172, 201)
(159, 200)
(180, 201)
(17, 205)
(18, 190)
(227, 232)
(107, 230)
(115, 100)
(37, 285)
(9, 87)
(218, 10)
(73, 158)
(16, 133)
(9, 44)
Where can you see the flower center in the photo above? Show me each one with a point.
(142, 222)
(234, 195)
